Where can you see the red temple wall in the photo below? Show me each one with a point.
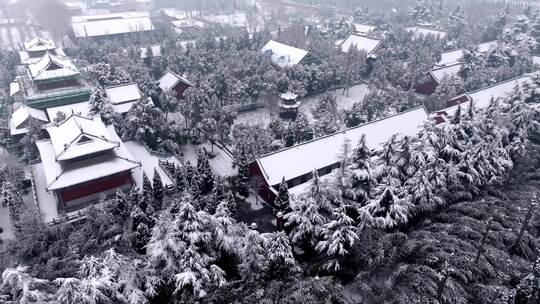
(95, 186)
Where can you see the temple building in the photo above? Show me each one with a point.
(36, 48)
(52, 81)
(123, 96)
(288, 105)
(82, 161)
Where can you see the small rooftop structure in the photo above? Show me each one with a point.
(155, 49)
(456, 56)
(284, 55)
(172, 81)
(51, 67)
(186, 24)
(486, 46)
(111, 24)
(39, 44)
(360, 42)
(19, 119)
(289, 105)
(419, 31)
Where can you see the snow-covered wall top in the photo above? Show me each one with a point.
(322, 152)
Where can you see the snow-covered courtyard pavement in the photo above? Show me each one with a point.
(149, 162)
(263, 115)
(220, 164)
(5, 223)
(46, 200)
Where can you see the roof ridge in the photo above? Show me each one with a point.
(121, 85)
(343, 131)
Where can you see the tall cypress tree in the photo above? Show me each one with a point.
(282, 201)
(243, 174)
(147, 193)
(158, 190)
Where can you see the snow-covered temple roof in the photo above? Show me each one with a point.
(80, 108)
(156, 51)
(284, 55)
(51, 67)
(111, 24)
(39, 44)
(322, 152)
(62, 175)
(21, 115)
(363, 28)
(482, 98)
(361, 42)
(419, 31)
(451, 70)
(486, 46)
(123, 93)
(170, 80)
(79, 136)
(451, 57)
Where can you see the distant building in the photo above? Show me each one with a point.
(435, 77)
(284, 55)
(83, 161)
(481, 98)
(421, 31)
(122, 97)
(288, 105)
(456, 56)
(171, 81)
(297, 163)
(107, 25)
(52, 81)
(361, 43)
(19, 119)
(36, 48)
(363, 29)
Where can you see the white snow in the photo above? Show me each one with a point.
(46, 200)
(149, 162)
(254, 201)
(14, 87)
(362, 43)
(170, 79)
(123, 93)
(284, 55)
(423, 31)
(237, 19)
(536, 60)
(451, 70)
(39, 44)
(220, 164)
(363, 28)
(6, 224)
(66, 137)
(21, 115)
(451, 57)
(47, 68)
(322, 152)
(482, 98)
(486, 46)
(111, 24)
(156, 51)
(80, 108)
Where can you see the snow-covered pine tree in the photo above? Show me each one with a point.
(191, 224)
(243, 174)
(254, 260)
(422, 193)
(195, 274)
(206, 175)
(195, 187)
(97, 101)
(362, 177)
(158, 191)
(281, 261)
(147, 193)
(180, 177)
(119, 205)
(224, 231)
(339, 235)
(388, 210)
(20, 287)
(231, 204)
(12, 198)
(282, 200)
(305, 222)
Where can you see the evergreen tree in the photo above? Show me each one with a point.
(388, 211)
(305, 222)
(528, 290)
(97, 101)
(147, 193)
(158, 191)
(243, 174)
(206, 175)
(254, 262)
(12, 198)
(282, 200)
(119, 205)
(339, 235)
(362, 179)
(280, 256)
(224, 231)
(231, 204)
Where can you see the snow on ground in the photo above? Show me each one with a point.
(149, 163)
(46, 200)
(263, 115)
(254, 200)
(5, 223)
(220, 164)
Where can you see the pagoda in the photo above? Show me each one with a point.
(288, 105)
